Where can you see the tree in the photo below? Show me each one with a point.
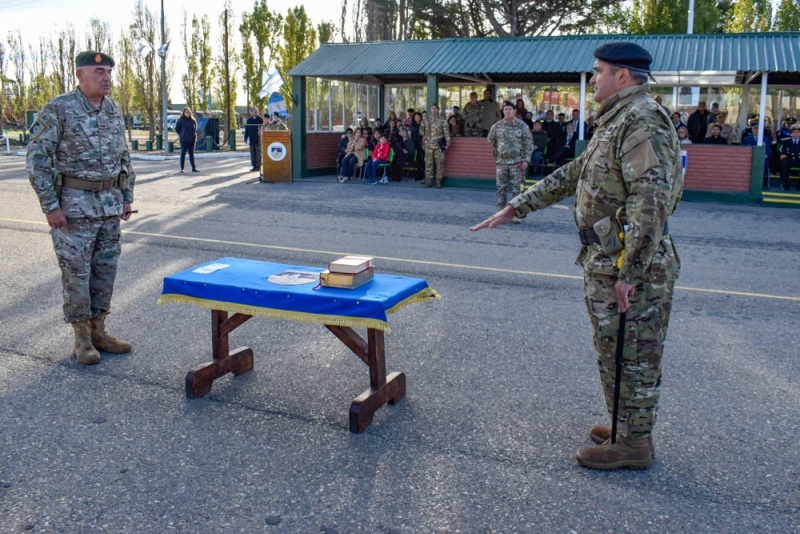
(144, 68)
(750, 16)
(100, 38)
(65, 48)
(668, 16)
(189, 80)
(228, 65)
(261, 31)
(787, 18)
(18, 88)
(202, 42)
(541, 17)
(300, 39)
(3, 87)
(325, 32)
(124, 80)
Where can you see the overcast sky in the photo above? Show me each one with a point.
(37, 18)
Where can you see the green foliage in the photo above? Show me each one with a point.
(325, 32)
(201, 45)
(261, 31)
(300, 39)
(227, 64)
(669, 17)
(750, 16)
(189, 81)
(787, 18)
(123, 89)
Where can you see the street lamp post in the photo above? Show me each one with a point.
(163, 53)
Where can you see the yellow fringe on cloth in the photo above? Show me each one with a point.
(315, 318)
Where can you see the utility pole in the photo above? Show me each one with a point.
(163, 54)
(227, 80)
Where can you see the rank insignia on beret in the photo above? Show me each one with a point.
(98, 58)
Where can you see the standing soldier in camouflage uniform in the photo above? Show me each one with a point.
(79, 166)
(472, 116)
(490, 112)
(436, 139)
(276, 123)
(627, 180)
(513, 145)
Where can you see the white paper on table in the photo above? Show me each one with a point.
(210, 268)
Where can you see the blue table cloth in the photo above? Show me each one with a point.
(242, 287)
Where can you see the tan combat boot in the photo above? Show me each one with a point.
(105, 341)
(625, 453)
(601, 434)
(85, 352)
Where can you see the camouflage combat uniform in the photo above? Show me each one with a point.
(632, 161)
(275, 125)
(433, 129)
(472, 119)
(513, 144)
(490, 114)
(74, 139)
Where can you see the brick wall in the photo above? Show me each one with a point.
(718, 168)
(469, 157)
(321, 150)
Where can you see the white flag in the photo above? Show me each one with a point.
(272, 82)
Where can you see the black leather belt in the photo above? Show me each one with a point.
(589, 236)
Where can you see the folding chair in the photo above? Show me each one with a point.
(385, 167)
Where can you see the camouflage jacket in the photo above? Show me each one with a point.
(73, 138)
(433, 129)
(490, 113)
(275, 125)
(632, 161)
(472, 114)
(512, 142)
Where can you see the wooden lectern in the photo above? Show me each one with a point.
(276, 156)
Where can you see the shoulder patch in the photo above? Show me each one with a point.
(44, 121)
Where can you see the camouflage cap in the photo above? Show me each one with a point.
(90, 59)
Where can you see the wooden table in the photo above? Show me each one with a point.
(241, 290)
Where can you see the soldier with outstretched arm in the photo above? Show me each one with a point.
(627, 183)
(79, 166)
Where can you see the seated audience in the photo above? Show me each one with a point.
(348, 135)
(409, 120)
(567, 149)
(677, 122)
(790, 157)
(392, 117)
(715, 137)
(354, 156)
(379, 156)
(457, 127)
(683, 135)
(726, 130)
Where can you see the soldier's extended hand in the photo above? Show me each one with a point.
(56, 219)
(503, 216)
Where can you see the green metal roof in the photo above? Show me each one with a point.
(552, 59)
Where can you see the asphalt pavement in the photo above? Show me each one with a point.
(502, 378)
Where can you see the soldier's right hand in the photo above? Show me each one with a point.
(56, 219)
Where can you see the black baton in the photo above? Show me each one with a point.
(618, 377)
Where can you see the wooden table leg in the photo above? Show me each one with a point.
(383, 388)
(238, 361)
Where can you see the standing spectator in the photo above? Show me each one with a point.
(403, 153)
(660, 103)
(436, 137)
(472, 116)
(252, 137)
(512, 143)
(186, 128)
(409, 117)
(712, 115)
(539, 146)
(677, 122)
(520, 108)
(750, 138)
(392, 117)
(714, 137)
(698, 123)
(490, 112)
(457, 128)
(553, 130)
(790, 157)
(379, 156)
(353, 157)
(416, 136)
(80, 168)
(726, 130)
(528, 119)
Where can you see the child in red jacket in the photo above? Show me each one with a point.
(379, 156)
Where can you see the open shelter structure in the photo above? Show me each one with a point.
(340, 83)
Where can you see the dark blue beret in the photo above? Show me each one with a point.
(509, 103)
(627, 55)
(93, 59)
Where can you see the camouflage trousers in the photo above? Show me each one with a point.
(646, 324)
(87, 252)
(507, 175)
(434, 155)
(472, 132)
